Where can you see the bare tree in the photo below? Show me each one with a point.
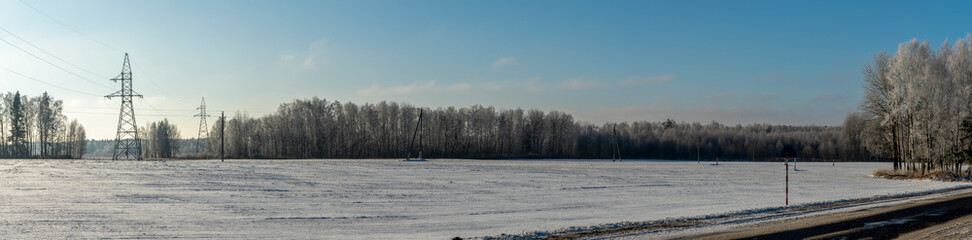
(160, 140)
(917, 103)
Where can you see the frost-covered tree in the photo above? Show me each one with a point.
(3, 126)
(160, 140)
(76, 140)
(27, 124)
(915, 104)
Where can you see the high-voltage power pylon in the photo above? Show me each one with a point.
(203, 129)
(126, 139)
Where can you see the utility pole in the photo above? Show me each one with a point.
(617, 149)
(833, 160)
(222, 134)
(126, 138)
(203, 129)
(408, 154)
(420, 148)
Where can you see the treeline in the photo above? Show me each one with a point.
(103, 148)
(917, 108)
(159, 140)
(317, 128)
(35, 127)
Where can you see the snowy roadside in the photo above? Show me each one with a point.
(673, 227)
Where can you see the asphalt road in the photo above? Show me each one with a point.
(947, 217)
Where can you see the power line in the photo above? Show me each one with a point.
(153, 107)
(156, 84)
(243, 111)
(116, 114)
(169, 111)
(49, 84)
(186, 122)
(50, 54)
(141, 109)
(103, 44)
(55, 65)
(68, 27)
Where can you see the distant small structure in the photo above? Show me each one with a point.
(222, 135)
(616, 156)
(786, 162)
(417, 132)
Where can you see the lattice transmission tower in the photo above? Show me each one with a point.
(203, 129)
(127, 142)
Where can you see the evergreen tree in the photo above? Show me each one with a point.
(18, 131)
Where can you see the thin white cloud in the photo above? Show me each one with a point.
(830, 99)
(313, 51)
(632, 81)
(429, 86)
(534, 85)
(530, 85)
(583, 83)
(505, 61)
(493, 86)
(725, 115)
(156, 100)
(721, 97)
(306, 59)
(760, 98)
(580, 83)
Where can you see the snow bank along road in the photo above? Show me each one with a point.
(390, 199)
(934, 214)
(942, 217)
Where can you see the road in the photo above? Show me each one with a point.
(947, 217)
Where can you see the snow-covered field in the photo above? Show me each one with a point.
(390, 199)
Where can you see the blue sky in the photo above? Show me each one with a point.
(736, 62)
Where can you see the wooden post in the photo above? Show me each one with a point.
(617, 149)
(786, 161)
(222, 135)
(420, 131)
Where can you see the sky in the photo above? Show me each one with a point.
(734, 62)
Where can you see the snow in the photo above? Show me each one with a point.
(720, 222)
(391, 199)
